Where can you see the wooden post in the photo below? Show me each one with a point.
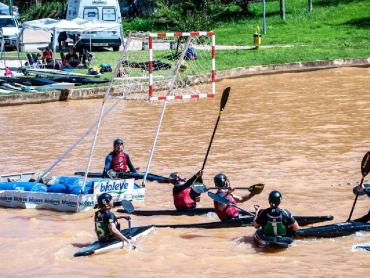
(282, 10)
(310, 6)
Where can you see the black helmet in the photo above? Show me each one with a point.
(118, 141)
(220, 180)
(173, 176)
(176, 178)
(104, 199)
(275, 198)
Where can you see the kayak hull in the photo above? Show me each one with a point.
(189, 212)
(101, 247)
(333, 230)
(302, 220)
(265, 241)
(243, 221)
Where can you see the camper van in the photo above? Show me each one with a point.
(101, 10)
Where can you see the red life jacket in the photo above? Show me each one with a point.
(119, 162)
(182, 200)
(228, 212)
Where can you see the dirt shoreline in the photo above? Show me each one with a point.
(98, 92)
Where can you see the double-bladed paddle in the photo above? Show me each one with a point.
(224, 98)
(128, 175)
(225, 201)
(254, 189)
(365, 169)
(129, 208)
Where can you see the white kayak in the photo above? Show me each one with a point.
(101, 247)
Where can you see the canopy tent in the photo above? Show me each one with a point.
(76, 25)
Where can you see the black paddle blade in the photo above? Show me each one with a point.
(128, 206)
(224, 98)
(256, 188)
(365, 164)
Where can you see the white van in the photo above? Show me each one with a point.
(9, 29)
(102, 10)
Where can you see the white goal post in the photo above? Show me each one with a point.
(169, 66)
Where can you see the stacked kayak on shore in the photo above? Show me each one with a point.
(64, 193)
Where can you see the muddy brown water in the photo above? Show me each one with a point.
(301, 133)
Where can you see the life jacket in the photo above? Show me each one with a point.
(119, 162)
(228, 212)
(274, 225)
(182, 200)
(102, 229)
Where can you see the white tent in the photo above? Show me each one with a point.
(76, 25)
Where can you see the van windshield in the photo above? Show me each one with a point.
(91, 14)
(7, 22)
(109, 14)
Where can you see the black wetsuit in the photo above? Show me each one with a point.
(268, 216)
(102, 220)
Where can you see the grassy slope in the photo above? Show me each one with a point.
(332, 31)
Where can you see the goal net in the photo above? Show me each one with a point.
(169, 66)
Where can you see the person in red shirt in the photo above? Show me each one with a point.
(118, 161)
(184, 197)
(226, 212)
(47, 55)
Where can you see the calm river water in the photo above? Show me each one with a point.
(302, 133)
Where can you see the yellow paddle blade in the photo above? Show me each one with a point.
(257, 188)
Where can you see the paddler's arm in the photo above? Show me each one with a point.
(117, 234)
(241, 199)
(294, 226)
(258, 210)
(126, 217)
(107, 164)
(129, 164)
(189, 182)
(290, 221)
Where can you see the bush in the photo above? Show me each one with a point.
(190, 15)
(52, 9)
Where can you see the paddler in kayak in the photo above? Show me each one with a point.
(363, 191)
(274, 221)
(184, 197)
(225, 212)
(107, 226)
(117, 161)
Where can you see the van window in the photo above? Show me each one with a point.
(7, 22)
(91, 14)
(109, 14)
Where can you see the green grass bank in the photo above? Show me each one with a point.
(334, 29)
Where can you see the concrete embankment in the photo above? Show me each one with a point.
(98, 92)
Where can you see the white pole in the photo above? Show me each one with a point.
(114, 74)
(164, 108)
